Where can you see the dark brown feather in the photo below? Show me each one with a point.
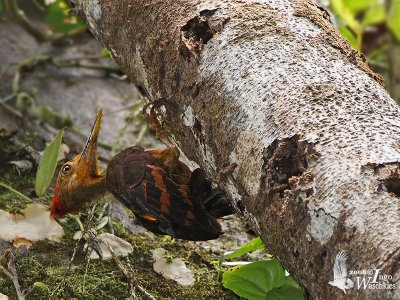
(139, 180)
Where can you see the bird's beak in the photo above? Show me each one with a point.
(89, 153)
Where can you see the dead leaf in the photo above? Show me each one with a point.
(175, 270)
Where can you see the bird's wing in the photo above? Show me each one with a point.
(131, 161)
(168, 159)
(340, 266)
(160, 204)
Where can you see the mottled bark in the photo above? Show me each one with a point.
(283, 114)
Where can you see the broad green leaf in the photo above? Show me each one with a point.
(41, 285)
(356, 6)
(393, 19)
(59, 20)
(374, 15)
(285, 293)
(255, 280)
(251, 246)
(290, 290)
(348, 35)
(290, 282)
(48, 164)
(1, 6)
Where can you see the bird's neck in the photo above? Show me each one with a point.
(95, 186)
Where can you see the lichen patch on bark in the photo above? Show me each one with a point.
(321, 226)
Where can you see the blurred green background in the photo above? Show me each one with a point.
(372, 27)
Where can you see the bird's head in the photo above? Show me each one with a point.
(79, 181)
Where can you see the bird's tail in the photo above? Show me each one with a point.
(214, 200)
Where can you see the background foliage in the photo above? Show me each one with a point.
(372, 27)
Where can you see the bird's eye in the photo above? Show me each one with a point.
(66, 169)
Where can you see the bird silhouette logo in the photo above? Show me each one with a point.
(340, 279)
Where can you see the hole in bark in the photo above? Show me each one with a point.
(286, 162)
(393, 185)
(389, 177)
(199, 30)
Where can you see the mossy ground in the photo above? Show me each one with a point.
(48, 262)
(9, 201)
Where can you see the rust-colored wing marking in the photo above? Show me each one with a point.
(160, 204)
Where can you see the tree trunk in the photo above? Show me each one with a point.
(283, 114)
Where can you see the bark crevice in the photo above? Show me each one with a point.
(389, 178)
(199, 30)
(286, 170)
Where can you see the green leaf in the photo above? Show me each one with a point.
(344, 13)
(290, 290)
(1, 6)
(48, 165)
(41, 285)
(59, 20)
(251, 246)
(290, 282)
(285, 293)
(356, 6)
(104, 53)
(348, 35)
(255, 280)
(374, 15)
(393, 19)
